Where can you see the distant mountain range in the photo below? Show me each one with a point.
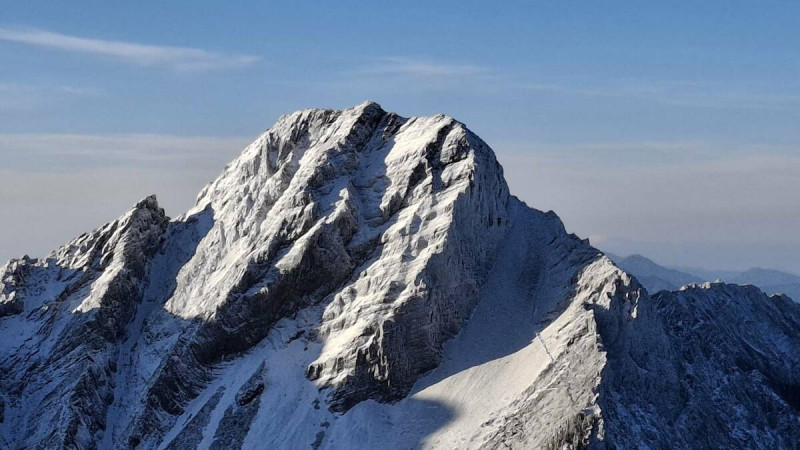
(656, 277)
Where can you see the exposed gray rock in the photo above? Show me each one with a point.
(737, 353)
(191, 435)
(13, 277)
(238, 418)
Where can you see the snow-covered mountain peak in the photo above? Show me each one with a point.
(96, 248)
(357, 279)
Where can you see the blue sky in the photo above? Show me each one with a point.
(665, 128)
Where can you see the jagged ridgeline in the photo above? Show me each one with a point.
(357, 279)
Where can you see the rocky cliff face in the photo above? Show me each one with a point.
(62, 339)
(356, 279)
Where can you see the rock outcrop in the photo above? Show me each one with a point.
(61, 348)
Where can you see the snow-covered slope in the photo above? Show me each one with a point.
(356, 279)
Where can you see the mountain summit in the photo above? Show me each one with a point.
(357, 279)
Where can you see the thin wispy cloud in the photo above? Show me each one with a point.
(180, 58)
(481, 78)
(639, 155)
(696, 94)
(719, 148)
(21, 97)
(18, 88)
(404, 65)
(39, 152)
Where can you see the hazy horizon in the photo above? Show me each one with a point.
(668, 132)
